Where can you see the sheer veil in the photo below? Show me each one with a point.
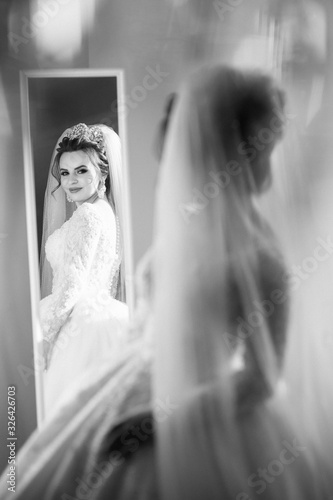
(58, 210)
(209, 446)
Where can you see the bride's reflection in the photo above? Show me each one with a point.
(79, 230)
(82, 321)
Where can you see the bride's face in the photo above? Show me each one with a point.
(79, 177)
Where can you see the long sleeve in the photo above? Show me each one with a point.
(81, 240)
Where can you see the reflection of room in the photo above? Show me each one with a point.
(156, 44)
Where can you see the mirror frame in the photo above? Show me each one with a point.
(31, 212)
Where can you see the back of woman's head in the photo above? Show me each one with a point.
(241, 115)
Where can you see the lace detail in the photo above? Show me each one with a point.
(84, 258)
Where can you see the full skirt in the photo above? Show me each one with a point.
(95, 332)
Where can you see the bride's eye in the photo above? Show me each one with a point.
(82, 170)
(63, 173)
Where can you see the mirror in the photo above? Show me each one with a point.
(51, 102)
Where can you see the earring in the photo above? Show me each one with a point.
(69, 199)
(101, 191)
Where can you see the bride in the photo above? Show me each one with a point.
(202, 415)
(82, 321)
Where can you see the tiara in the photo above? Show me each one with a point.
(91, 134)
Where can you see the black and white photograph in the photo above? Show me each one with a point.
(166, 250)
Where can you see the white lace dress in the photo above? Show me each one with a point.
(81, 319)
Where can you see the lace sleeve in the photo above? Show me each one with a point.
(81, 244)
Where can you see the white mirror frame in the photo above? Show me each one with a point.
(31, 215)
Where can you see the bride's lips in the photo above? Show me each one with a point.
(74, 190)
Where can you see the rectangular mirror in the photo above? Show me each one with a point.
(51, 102)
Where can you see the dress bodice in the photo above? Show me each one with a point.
(83, 254)
(87, 240)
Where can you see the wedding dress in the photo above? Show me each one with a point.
(81, 318)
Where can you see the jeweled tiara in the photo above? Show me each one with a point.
(91, 134)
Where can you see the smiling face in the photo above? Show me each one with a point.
(79, 176)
